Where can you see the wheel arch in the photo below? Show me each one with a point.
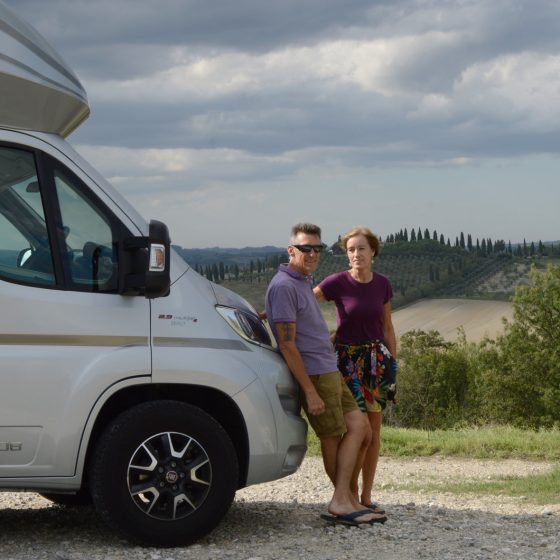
(214, 402)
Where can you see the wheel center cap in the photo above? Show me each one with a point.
(171, 477)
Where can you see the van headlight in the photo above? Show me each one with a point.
(246, 325)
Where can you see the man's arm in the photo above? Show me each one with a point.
(287, 346)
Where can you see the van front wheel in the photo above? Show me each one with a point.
(164, 473)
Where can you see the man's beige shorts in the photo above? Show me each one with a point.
(338, 400)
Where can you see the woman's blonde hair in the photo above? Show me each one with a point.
(372, 239)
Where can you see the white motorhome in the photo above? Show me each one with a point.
(126, 378)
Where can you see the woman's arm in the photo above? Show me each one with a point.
(389, 330)
(319, 295)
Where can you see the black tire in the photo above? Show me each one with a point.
(80, 498)
(164, 473)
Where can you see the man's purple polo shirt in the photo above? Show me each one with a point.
(290, 299)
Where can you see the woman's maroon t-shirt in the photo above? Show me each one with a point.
(359, 306)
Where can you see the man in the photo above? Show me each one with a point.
(303, 339)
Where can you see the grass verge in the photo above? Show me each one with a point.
(500, 442)
(539, 489)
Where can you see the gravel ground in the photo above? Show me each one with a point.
(281, 520)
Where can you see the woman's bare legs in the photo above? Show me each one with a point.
(354, 486)
(339, 458)
(371, 457)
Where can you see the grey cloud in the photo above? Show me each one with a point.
(106, 40)
(243, 24)
(129, 38)
(361, 124)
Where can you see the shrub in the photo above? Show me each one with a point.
(522, 368)
(433, 381)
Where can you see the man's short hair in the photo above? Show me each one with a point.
(309, 229)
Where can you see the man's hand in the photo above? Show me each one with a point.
(315, 404)
(287, 345)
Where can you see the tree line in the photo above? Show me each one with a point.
(484, 246)
(257, 270)
(261, 269)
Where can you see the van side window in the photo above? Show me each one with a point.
(25, 248)
(90, 245)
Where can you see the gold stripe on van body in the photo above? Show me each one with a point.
(119, 341)
(214, 343)
(71, 340)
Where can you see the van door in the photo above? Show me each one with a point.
(66, 335)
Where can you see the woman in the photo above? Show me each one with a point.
(365, 342)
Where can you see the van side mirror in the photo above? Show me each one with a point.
(144, 263)
(157, 276)
(32, 187)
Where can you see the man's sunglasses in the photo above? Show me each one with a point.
(309, 248)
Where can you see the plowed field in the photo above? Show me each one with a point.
(477, 317)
